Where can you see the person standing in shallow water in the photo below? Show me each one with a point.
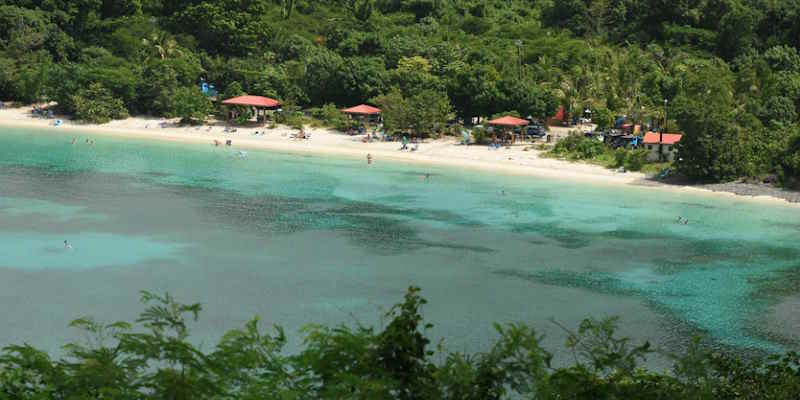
(67, 245)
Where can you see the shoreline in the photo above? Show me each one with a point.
(517, 160)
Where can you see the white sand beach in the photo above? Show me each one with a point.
(520, 159)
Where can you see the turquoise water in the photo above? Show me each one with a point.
(299, 239)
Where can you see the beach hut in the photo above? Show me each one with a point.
(364, 112)
(508, 123)
(259, 103)
(362, 109)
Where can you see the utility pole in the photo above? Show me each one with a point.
(518, 42)
(664, 129)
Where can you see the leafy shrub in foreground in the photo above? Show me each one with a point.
(155, 360)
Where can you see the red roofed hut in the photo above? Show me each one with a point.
(259, 103)
(661, 146)
(508, 123)
(364, 113)
(362, 109)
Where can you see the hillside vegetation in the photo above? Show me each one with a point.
(730, 69)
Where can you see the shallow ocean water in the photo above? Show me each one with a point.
(299, 239)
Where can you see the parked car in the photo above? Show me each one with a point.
(535, 130)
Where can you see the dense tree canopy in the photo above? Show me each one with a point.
(485, 56)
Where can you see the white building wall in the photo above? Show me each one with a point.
(653, 149)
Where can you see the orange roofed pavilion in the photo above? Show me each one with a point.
(252, 101)
(362, 109)
(509, 121)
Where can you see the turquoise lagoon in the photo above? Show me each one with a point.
(297, 239)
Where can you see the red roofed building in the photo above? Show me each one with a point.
(259, 103)
(661, 146)
(364, 113)
(362, 109)
(252, 101)
(509, 121)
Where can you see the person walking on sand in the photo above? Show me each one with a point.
(369, 158)
(405, 143)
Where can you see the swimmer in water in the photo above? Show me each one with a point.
(67, 245)
(686, 221)
(680, 219)
(73, 140)
(87, 140)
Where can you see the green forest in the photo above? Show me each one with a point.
(728, 69)
(155, 359)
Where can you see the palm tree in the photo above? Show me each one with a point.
(162, 45)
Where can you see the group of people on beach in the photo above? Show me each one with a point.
(414, 142)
